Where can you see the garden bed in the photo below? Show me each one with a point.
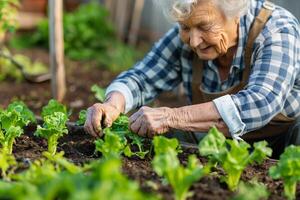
(79, 148)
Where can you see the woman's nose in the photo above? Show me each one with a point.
(195, 38)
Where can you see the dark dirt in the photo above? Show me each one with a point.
(79, 148)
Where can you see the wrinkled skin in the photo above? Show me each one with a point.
(208, 32)
(148, 122)
(102, 115)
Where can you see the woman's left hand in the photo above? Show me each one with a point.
(148, 121)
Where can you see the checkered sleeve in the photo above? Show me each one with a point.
(159, 70)
(274, 70)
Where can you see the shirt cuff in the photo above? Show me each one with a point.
(230, 116)
(125, 91)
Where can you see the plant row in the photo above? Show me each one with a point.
(54, 177)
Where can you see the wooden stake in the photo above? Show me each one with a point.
(136, 20)
(110, 5)
(122, 17)
(58, 81)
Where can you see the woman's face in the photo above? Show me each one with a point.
(208, 32)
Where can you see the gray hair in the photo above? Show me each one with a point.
(180, 9)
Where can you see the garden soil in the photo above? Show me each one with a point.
(79, 147)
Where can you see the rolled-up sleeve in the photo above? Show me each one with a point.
(159, 70)
(274, 69)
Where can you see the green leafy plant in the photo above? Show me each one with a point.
(52, 179)
(46, 177)
(121, 127)
(52, 107)
(12, 120)
(8, 11)
(99, 92)
(251, 191)
(111, 145)
(54, 127)
(119, 139)
(41, 171)
(10, 66)
(8, 139)
(60, 160)
(89, 35)
(232, 155)
(108, 172)
(82, 118)
(19, 191)
(6, 161)
(166, 164)
(16, 114)
(100, 95)
(288, 169)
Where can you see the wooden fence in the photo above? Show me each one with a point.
(126, 14)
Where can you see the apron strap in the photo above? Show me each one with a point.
(197, 95)
(255, 30)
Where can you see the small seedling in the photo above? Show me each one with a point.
(288, 169)
(232, 155)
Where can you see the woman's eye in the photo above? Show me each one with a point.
(184, 27)
(204, 28)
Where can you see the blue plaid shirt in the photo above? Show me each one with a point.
(274, 83)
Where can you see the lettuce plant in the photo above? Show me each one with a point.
(288, 169)
(166, 164)
(19, 191)
(119, 139)
(62, 162)
(53, 106)
(111, 145)
(6, 161)
(52, 179)
(55, 116)
(251, 191)
(82, 118)
(99, 92)
(12, 120)
(113, 184)
(7, 139)
(54, 127)
(232, 155)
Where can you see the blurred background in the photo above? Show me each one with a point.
(153, 24)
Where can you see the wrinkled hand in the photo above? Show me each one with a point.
(99, 116)
(150, 121)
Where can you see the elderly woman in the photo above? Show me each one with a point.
(239, 64)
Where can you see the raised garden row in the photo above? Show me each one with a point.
(56, 161)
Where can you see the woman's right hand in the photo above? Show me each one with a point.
(102, 115)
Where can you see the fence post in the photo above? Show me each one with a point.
(58, 80)
(136, 20)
